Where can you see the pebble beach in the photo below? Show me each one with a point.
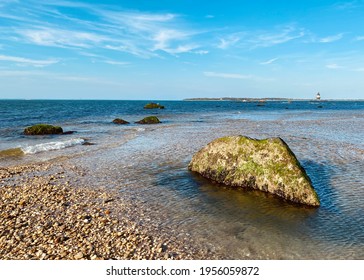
(43, 215)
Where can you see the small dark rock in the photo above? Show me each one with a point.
(120, 121)
(43, 129)
(69, 132)
(153, 106)
(86, 143)
(149, 120)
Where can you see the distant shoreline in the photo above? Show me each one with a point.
(238, 99)
(250, 99)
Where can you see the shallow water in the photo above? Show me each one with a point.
(148, 165)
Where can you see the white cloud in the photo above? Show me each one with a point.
(270, 61)
(359, 38)
(236, 76)
(330, 39)
(259, 38)
(229, 41)
(201, 52)
(333, 66)
(114, 62)
(163, 38)
(42, 75)
(139, 33)
(228, 75)
(271, 39)
(348, 5)
(27, 61)
(61, 38)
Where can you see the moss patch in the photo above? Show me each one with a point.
(120, 121)
(268, 165)
(42, 129)
(153, 106)
(149, 120)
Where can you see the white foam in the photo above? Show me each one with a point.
(50, 146)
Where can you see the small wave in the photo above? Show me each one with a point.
(50, 146)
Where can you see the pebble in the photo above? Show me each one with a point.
(78, 256)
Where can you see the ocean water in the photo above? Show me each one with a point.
(147, 164)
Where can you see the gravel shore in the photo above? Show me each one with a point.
(45, 215)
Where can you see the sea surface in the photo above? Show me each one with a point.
(147, 164)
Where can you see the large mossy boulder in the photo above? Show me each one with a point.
(268, 165)
(149, 120)
(43, 129)
(120, 121)
(153, 106)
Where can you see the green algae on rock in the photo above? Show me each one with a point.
(120, 121)
(268, 165)
(42, 129)
(153, 106)
(149, 120)
(15, 152)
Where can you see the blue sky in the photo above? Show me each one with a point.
(178, 49)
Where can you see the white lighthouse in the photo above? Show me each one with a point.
(318, 96)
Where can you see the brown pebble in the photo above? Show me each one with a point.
(78, 256)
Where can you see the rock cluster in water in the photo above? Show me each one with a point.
(268, 165)
(43, 129)
(149, 120)
(153, 106)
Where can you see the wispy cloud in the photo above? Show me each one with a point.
(270, 61)
(61, 38)
(261, 38)
(143, 34)
(333, 66)
(282, 35)
(235, 76)
(228, 75)
(42, 75)
(114, 62)
(348, 5)
(359, 38)
(229, 40)
(330, 39)
(27, 61)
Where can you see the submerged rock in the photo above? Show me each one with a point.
(149, 120)
(69, 132)
(42, 129)
(268, 165)
(153, 106)
(120, 121)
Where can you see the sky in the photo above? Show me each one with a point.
(171, 50)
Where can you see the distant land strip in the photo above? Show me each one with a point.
(245, 99)
(249, 99)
